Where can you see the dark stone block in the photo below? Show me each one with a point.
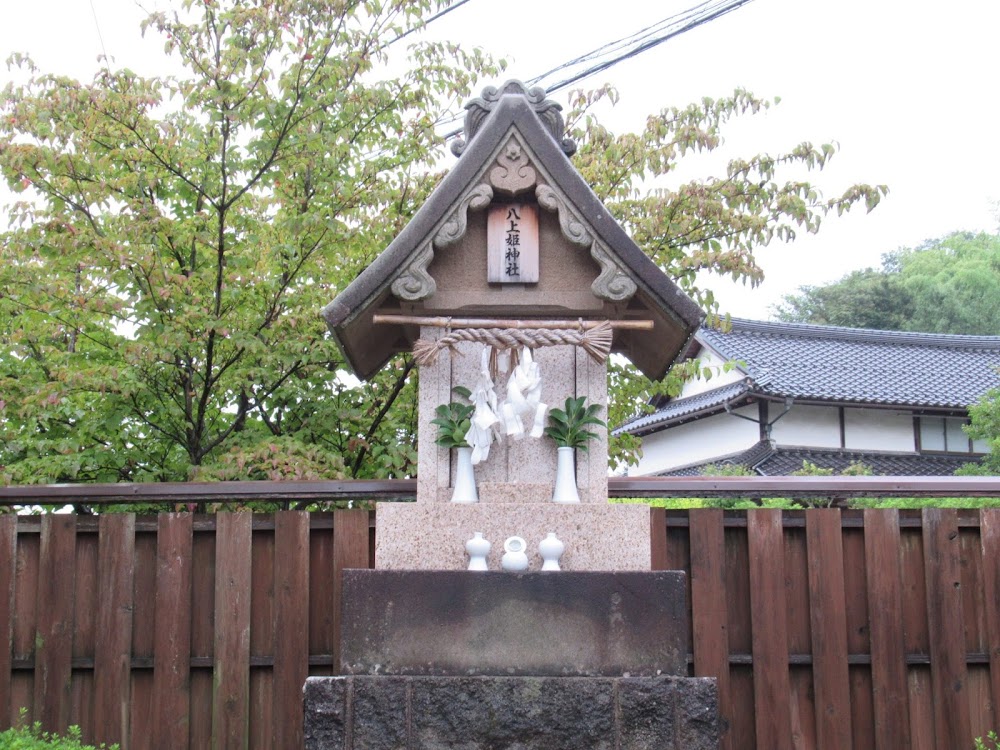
(647, 712)
(698, 723)
(510, 713)
(379, 711)
(669, 712)
(526, 713)
(493, 623)
(325, 717)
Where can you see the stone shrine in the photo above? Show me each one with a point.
(513, 257)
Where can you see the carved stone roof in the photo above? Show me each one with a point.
(516, 150)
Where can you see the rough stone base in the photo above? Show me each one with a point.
(515, 713)
(557, 624)
(432, 536)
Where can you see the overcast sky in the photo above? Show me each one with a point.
(907, 88)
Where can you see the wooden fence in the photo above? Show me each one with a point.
(826, 628)
(173, 631)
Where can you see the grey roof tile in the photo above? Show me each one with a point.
(830, 363)
(785, 461)
(767, 460)
(686, 407)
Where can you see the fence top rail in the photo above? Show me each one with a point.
(405, 489)
(804, 487)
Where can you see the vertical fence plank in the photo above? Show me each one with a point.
(989, 519)
(291, 657)
(740, 637)
(710, 615)
(54, 639)
(22, 682)
(952, 725)
(858, 638)
(828, 625)
(350, 550)
(921, 708)
(8, 574)
(885, 622)
(802, 703)
(202, 630)
(231, 684)
(321, 617)
(143, 639)
(263, 575)
(658, 538)
(771, 681)
(172, 631)
(113, 647)
(85, 608)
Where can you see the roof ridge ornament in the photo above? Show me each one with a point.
(549, 112)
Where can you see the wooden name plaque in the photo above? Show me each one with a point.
(512, 244)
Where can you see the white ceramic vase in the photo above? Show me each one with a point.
(478, 548)
(551, 549)
(465, 478)
(515, 554)
(565, 489)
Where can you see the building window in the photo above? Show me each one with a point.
(945, 434)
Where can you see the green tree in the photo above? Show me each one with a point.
(984, 424)
(176, 237)
(948, 285)
(711, 225)
(161, 279)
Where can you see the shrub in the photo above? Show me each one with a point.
(33, 738)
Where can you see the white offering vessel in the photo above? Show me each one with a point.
(515, 557)
(478, 548)
(551, 549)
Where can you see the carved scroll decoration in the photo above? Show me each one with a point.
(513, 175)
(548, 111)
(415, 283)
(613, 283)
(454, 229)
(572, 228)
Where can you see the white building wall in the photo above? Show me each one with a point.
(810, 426)
(695, 442)
(711, 359)
(878, 429)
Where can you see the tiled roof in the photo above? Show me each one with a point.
(784, 461)
(683, 407)
(766, 460)
(830, 363)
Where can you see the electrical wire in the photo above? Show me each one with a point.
(630, 46)
(454, 6)
(100, 36)
(716, 11)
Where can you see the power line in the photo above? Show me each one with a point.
(454, 6)
(100, 36)
(717, 10)
(633, 45)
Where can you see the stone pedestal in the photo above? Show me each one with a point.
(526, 713)
(496, 661)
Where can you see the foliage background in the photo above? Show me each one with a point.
(175, 238)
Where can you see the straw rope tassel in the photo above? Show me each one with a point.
(595, 341)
